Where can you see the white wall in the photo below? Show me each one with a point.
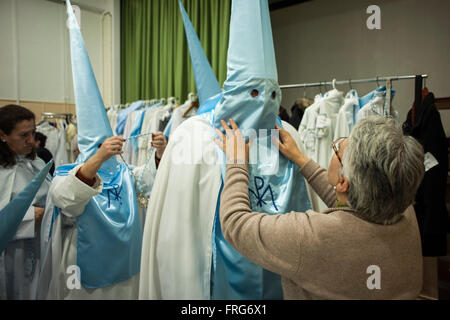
(325, 39)
(35, 54)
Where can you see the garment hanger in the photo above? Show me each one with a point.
(172, 100)
(327, 87)
(425, 91)
(194, 104)
(387, 102)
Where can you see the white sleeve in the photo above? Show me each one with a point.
(71, 195)
(342, 129)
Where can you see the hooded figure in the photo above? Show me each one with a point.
(91, 234)
(209, 92)
(184, 253)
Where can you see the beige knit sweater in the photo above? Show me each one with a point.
(324, 255)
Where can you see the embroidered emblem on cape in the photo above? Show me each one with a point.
(259, 196)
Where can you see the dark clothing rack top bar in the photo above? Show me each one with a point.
(350, 82)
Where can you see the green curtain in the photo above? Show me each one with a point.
(155, 61)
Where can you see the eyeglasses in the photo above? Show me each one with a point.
(336, 146)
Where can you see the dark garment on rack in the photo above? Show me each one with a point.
(297, 114)
(283, 114)
(46, 155)
(430, 206)
(163, 123)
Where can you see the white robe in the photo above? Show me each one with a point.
(72, 195)
(56, 142)
(20, 261)
(174, 264)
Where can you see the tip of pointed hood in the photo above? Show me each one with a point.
(251, 51)
(205, 79)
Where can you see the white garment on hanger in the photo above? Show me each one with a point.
(112, 117)
(376, 107)
(346, 118)
(325, 127)
(177, 117)
(71, 132)
(308, 125)
(56, 141)
(61, 157)
(129, 154)
(52, 134)
(150, 125)
(73, 149)
(317, 132)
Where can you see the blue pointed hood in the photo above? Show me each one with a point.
(251, 95)
(205, 79)
(12, 215)
(93, 125)
(250, 50)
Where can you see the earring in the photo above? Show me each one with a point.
(334, 187)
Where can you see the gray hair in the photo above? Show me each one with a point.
(384, 169)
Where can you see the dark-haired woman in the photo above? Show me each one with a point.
(19, 263)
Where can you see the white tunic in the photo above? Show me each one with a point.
(20, 261)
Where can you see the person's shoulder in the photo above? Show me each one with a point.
(193, 126)
(38, 163)
(288, 127)
(334, 218)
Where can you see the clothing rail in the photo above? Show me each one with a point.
(56, 115)
(349, 82)
(69, 117)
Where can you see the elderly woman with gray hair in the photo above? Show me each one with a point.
(365, 246)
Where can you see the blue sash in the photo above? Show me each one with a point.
(109, 232)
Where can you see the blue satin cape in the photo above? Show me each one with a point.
(234, 276)
(109, 232)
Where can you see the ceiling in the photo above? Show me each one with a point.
(278, 4)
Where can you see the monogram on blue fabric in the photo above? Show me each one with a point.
(259, 184)
(114, 193)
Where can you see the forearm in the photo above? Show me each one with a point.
(301, 160)
(235, 201)
(90, 168)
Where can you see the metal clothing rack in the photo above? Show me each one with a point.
(350, 82)
(69, 117)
